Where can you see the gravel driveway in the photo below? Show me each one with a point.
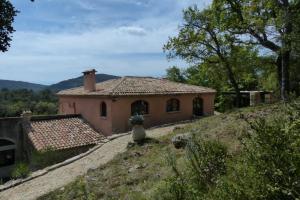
(68, 173)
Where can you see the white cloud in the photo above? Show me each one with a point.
(124, 47)
(133, 30)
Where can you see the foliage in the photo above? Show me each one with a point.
(224, 103)
(202, 39)
(221, 44)
(265, 23)
(50, 156)
(205, 163)
(136, 120)
(175, 74)
(14, 102)
(266, 168)
(21, 170)
(7, 16)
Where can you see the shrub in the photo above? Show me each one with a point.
(136, 120)
(205, 162)
(21, 170)
(268, 167)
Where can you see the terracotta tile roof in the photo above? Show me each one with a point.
(62, 133)
(128, 86)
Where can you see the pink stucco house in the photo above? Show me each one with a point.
(108, 105)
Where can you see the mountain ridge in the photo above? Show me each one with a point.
(62, 85)
(15, 85)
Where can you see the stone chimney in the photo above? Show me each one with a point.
(26, 115)
(89, 80)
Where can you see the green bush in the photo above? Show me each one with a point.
(21, 170)
(136, 120)
(205, 162)
(51, 156)
(224, 103)
(267, 167)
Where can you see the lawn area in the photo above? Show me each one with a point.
(139, 172)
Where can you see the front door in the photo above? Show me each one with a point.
(198, 106)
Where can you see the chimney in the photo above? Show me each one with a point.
(26, 117)
(89, 80)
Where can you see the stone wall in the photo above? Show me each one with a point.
(11, 130)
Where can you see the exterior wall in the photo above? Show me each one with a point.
(11, 129)
(89, 108)
(121, 110)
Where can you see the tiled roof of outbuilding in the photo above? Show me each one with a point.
(131, 86)
(62, 132)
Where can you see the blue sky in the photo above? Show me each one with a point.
(58, 39)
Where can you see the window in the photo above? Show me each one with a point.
(139, 107)
(173, 105)
(103, 110)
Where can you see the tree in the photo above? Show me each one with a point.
(268, 23)
(175, 74)
(7, 15)
(203, 39)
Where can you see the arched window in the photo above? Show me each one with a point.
(7, 153)
(139, 107)
(173, 105)
(103, 109)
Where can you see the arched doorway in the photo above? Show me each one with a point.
(140, 107)
(7, 152)
(198, 106)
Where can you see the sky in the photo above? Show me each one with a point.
(58, 39)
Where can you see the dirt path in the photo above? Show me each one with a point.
(66, 174)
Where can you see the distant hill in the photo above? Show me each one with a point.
(15, 85)
(76, 82)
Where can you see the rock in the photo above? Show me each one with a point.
(138, 166)
(180, 140)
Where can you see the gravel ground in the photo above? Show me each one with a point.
(66, 174)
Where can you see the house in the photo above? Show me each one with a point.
(108, 105)
(252, 98)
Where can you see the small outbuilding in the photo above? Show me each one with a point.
(108, 105)
(22, 136)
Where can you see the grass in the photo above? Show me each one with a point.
(138, 173)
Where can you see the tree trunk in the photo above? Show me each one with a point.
(234, 83)
(284, 89)
(285, 51)
(279, 71)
